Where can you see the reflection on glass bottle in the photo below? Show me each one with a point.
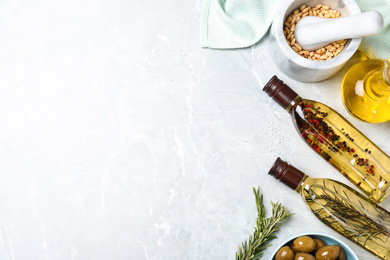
(366, 90)
(336, 140)
(340, 208)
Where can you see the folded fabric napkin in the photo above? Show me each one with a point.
(377, 46)
(232, 24)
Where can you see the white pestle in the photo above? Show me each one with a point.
(312, 32)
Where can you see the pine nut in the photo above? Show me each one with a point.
(298, 46)
(305, 10)
(293, 20)
(292, 41)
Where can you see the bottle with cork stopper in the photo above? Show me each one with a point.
(331, 136)
(341, 208)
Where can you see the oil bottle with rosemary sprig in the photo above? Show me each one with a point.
(334, 138)
(341, 208)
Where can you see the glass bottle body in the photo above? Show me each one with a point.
(349, 213)
(343, 146)
(366, 90)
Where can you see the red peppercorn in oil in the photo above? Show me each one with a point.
(336, 140)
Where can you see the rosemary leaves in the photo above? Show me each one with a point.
(265, 229)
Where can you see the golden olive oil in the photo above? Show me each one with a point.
(349, 213)
(344, 147)
(341, 208)
(366, 90)
(335, 139)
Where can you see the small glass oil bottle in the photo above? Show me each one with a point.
(341, 208)
(366, 90)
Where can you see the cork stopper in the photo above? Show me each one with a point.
(286, 173)
(280, 92)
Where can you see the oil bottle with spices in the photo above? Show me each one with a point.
(336, 140)
(341, 208)
(366, 90)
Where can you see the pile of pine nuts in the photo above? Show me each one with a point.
(324, 53)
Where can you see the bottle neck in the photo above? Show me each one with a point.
(377, 83)
(386, 71)
(281, 93)
(287, 174)
(300, 185)
(293, 103)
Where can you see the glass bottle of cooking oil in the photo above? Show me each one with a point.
(341, 208)
(330, 135)
(366, 90)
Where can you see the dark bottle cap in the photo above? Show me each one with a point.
(280, 92)
(286, 173)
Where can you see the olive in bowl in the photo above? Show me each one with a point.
(313, 246)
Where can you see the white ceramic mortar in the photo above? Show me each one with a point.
(298, 67)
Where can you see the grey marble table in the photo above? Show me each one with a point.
(121, 138)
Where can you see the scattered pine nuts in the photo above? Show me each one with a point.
(324, 53)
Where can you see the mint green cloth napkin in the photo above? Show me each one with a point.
(377, 46)
(232, 24)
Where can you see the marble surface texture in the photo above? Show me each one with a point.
(121, 138)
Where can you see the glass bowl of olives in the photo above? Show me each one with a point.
(313, 246)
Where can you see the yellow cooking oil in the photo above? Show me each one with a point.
(366, 90)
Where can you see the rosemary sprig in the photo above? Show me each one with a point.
(264, 231)
(361, 219)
